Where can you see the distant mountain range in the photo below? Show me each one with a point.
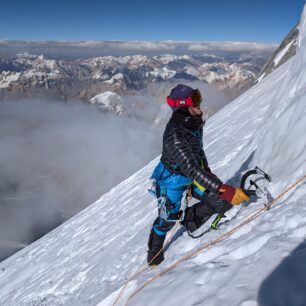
(95, 72)
(24, 75)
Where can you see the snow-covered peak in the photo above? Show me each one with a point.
(115, 78)
(164, 73)
(109, 101)
(115, 73)
(134, 59)
(167, 58)
(7, 78)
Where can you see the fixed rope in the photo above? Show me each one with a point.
(145, 266)
(208, 245)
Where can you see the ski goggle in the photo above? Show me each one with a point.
(194, 100)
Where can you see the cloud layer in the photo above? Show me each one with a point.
(76, 49)
(57, 158)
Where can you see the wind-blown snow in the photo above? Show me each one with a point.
(89, 258)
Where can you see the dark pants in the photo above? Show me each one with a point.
(161, 227)
(195, 216)
(199, 213)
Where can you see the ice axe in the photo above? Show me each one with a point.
(251, 190)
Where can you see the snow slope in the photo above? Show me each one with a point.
(89, 258)
(281, 54)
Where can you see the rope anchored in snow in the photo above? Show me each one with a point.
(144, 267)
(208, 245)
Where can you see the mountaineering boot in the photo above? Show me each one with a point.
(155, 246)
(197, 215)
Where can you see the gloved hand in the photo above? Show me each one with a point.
(233, 195)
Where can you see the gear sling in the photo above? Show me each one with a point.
(171, 191)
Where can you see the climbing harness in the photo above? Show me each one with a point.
(164, 205)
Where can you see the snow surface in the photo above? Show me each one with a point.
(8, 78)
(164, 73)
(88, 259)
(108, 101)
(192, 71)
(116, 77)
(261, 77)
(281, 53)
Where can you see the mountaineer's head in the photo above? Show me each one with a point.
(185, 99)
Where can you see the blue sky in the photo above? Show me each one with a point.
(192, 20)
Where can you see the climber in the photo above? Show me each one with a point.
(183, 169)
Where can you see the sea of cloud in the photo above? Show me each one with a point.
(56, 158)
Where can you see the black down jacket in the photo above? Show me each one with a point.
(183, 151)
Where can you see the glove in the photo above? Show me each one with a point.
(233, 195)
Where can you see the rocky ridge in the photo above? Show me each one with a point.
(285, 51)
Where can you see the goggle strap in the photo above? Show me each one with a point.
(180, 102)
